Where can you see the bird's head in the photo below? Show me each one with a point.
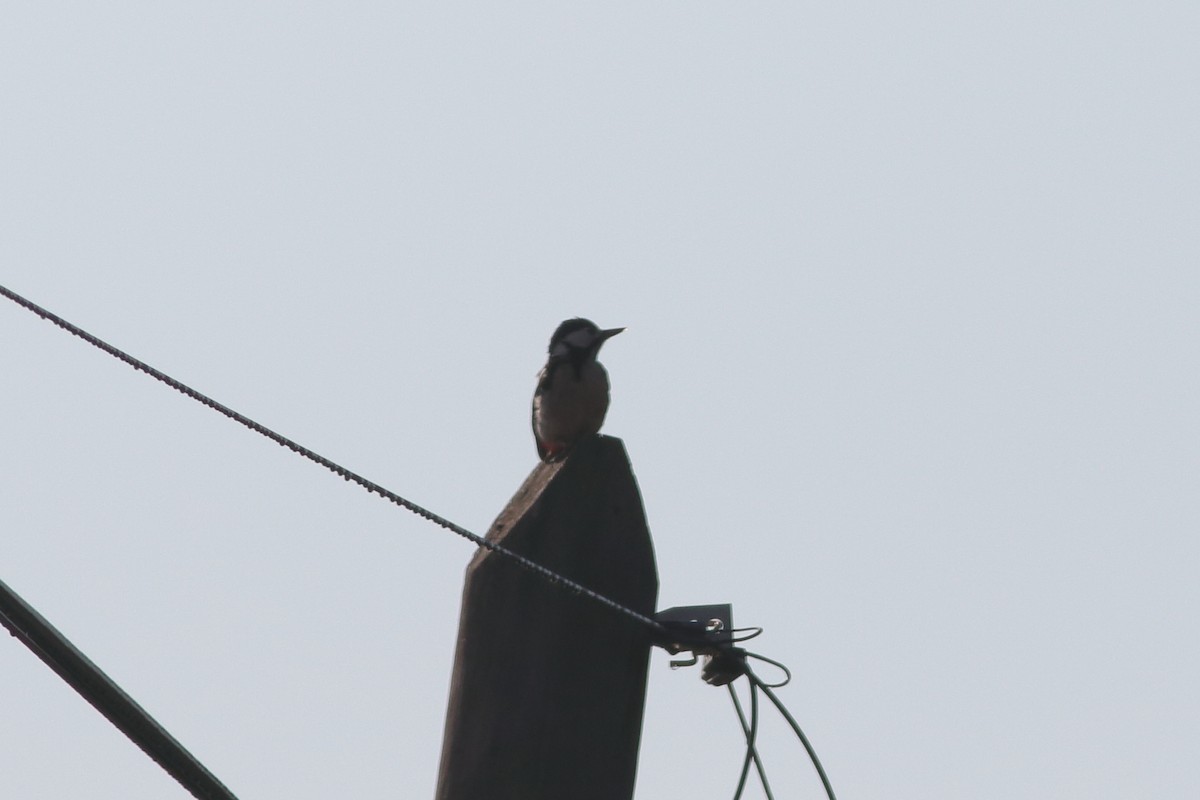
(578, 339)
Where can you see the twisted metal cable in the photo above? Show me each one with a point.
(372, 487)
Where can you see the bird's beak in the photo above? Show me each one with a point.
(608, 334)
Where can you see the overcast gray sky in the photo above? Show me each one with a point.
(910, 375)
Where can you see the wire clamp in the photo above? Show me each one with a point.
(705, 631)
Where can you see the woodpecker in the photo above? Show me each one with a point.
(572, 392)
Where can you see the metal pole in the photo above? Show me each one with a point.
(109, 699)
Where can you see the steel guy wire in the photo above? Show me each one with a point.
(547, 574)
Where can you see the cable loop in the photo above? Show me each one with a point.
(787, 673)
(755, 631)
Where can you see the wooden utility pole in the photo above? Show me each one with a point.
(548, 687)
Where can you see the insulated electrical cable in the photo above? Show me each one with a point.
(751, 732)
(812, 754)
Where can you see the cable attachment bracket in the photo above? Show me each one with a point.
(705, 631)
